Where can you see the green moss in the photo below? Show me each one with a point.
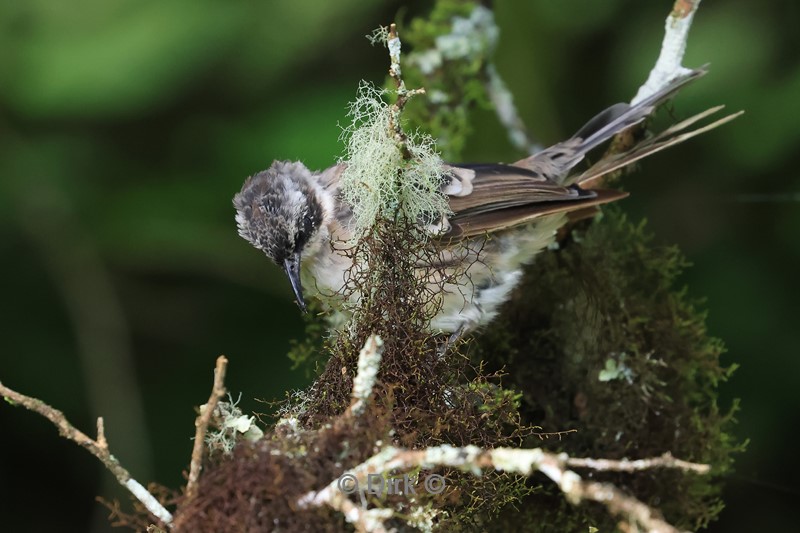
(612, 300)
(306, 352)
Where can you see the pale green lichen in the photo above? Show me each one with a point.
(232, 426)
(379, 35)
(471, 36)
(386, 176)
(616, 369)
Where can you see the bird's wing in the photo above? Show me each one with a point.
(488, 198)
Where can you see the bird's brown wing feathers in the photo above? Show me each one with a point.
(489, 198)
(498, 186)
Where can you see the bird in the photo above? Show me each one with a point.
(501, 215)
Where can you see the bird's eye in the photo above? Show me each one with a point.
(308, 224)
(302, 234)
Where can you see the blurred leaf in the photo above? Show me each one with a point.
(86, 58)
(573, 16)
(280, 34)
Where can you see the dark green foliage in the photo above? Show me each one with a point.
(460, 82)
(306, 352)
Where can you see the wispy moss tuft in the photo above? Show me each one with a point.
(387, 176)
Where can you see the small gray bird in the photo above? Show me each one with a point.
(502, 215)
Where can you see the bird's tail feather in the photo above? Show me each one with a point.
(557, 161)
(671, 136)
(622, 116)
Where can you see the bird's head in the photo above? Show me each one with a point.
(281, 212)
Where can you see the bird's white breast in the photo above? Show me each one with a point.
(491, 267)
(494, 274)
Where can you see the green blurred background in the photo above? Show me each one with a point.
(127, 126)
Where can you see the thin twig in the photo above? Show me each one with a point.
(201, 425)
(394, 45)
(626, 465)
(101, 434)
(98, 448)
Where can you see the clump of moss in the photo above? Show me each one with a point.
(421, 399)
(258, 487)
(600, 339)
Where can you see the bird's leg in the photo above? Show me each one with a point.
(451, 340)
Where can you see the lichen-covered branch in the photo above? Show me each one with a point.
(626, 465)
(519, 461)
(97, 447)
(668, 65)
(403, 94)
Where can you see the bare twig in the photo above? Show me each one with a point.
(520, 461)
(98, 448)
(201, 425)
(101, 433)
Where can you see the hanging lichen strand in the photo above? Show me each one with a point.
(386, 176)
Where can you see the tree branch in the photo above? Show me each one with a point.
(369, 360)
(668, 65)
(201, 425)
(520, 461)
(98, 448)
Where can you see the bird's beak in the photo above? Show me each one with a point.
(292, 267)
